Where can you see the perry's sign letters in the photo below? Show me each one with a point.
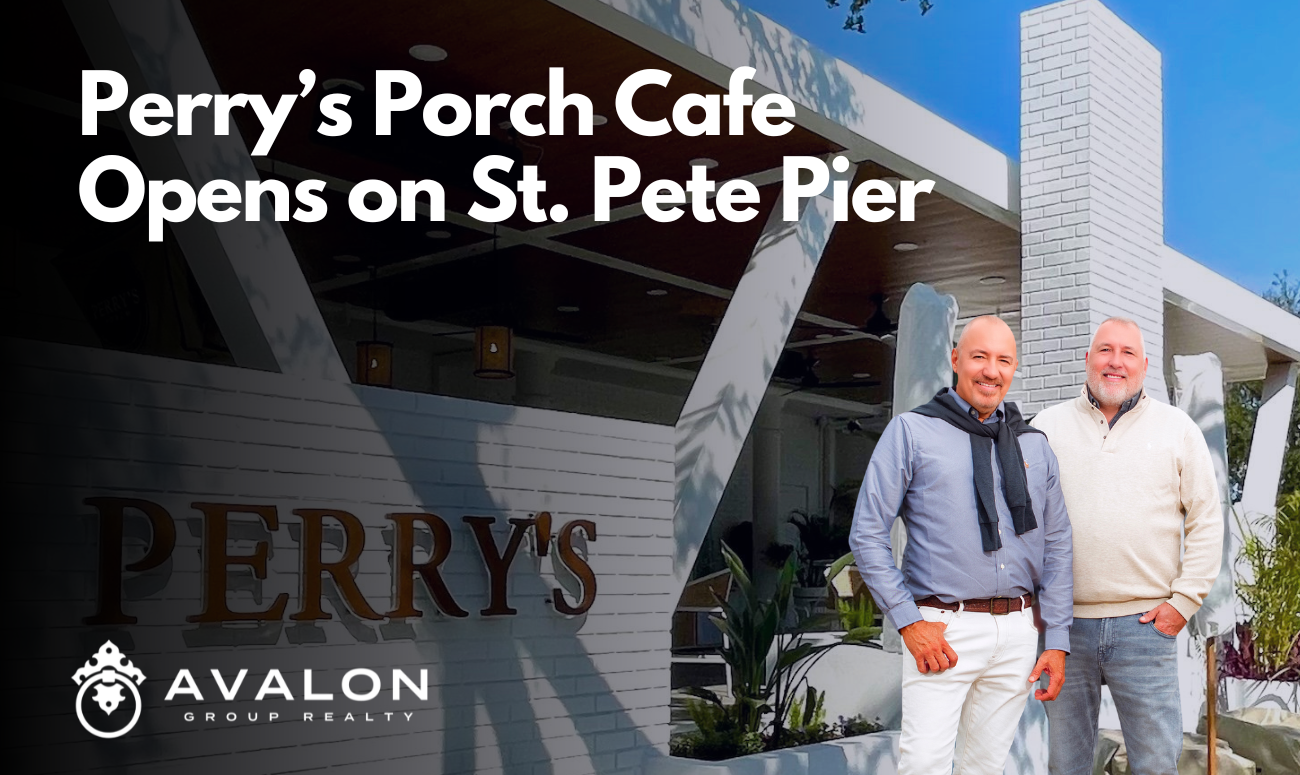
(312, 565)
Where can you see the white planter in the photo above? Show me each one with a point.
(822, 638)
(875, 754)
(1245, 693)
(858, 680)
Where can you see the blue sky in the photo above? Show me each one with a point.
(1232, 103)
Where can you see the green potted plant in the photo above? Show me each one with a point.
(857, 612)
(1267, 647)
(768, 659)
(821, 541)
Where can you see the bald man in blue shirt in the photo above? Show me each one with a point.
(988, 535)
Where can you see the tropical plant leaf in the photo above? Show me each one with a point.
(703, 694)
(860, 634)
(739, 577)
(765, 632)
(785, 584)
(794, 656)
(838, 567)
(724, 624)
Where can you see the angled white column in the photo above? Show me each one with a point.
(1268, 446)
(927, 322)
(727, 392)
(248, 273)
(1198, 388)
(922, 367)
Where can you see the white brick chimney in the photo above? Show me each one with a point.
(1091, 187)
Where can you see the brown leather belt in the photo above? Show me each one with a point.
(988, 605)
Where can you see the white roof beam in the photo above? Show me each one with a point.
(833, 99)
(1209, 295)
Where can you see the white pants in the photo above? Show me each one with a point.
(967, 715)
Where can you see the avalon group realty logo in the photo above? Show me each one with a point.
(109, 672)
(116, 696)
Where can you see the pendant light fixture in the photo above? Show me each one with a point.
(494, 350)
(375, 357)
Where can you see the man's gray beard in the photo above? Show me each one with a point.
(1109, 395)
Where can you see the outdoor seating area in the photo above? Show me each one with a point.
(697, 641)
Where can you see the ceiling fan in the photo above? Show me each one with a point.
(800, 370)
(878, 326)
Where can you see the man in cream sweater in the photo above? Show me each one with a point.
(1139, 485)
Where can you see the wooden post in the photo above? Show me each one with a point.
(1211, 708)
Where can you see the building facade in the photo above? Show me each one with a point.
(201, 477)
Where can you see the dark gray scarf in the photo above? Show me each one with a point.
(1014, 485)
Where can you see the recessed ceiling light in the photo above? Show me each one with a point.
(599, 120)
(656, 292)
(428, 53)
(993, 279)
(348, 259)
(861, 375)
(566, 308)
(905, 247)
(330, 83)
(437, 234)
(824, 336)
(704, 162)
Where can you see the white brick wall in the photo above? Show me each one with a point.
(533, 692)
(1091, 182)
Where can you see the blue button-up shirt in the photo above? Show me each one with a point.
(921, 470)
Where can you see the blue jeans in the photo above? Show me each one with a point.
(1139, 664)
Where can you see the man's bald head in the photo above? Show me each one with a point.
(987, 325)
(985, 362)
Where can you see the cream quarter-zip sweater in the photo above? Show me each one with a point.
(1138, 495)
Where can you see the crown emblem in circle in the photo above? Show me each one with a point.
(109, 672)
